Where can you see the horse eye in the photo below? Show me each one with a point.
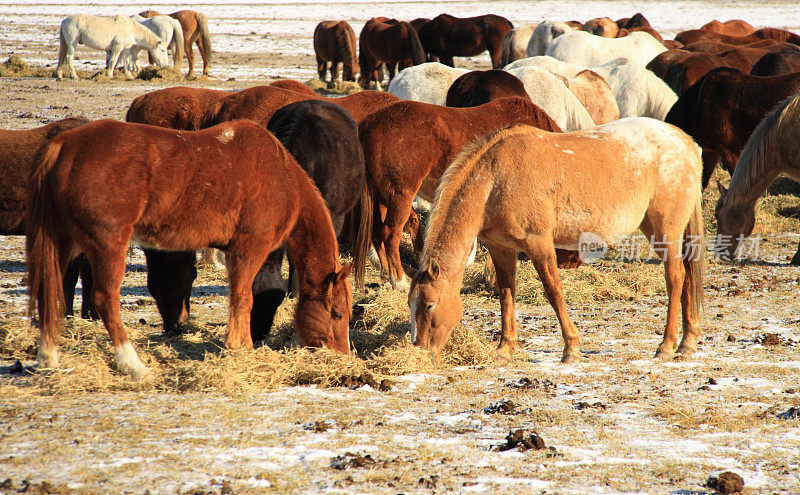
(336, 315)
(430, 306)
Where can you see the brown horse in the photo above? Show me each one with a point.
(734, 27)
(178, 107)
(482, 86)
(233, 186)
(260, 102)
(664, 60)
(776, 63)
(387, 41)
(394, 178)
(770, 151)
(652, 32)
(195, 30)
(714, 47)
(525, 189)
(695, 35)
(292, 85)
(335, 42)
(723, 108)
(446, 36)
(601, 26)
(637, 21)
(685, 73)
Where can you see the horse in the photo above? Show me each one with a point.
(525, 189)
(723, 108)
(170, 32)
(547, 63)
(178, 107)
(652, 32)
(515, 44)
(734, 27)
(694, 35)
(639, 92)
(664, 60)
(419, 22)
(482, 86)
(550, 93)
(595, 95)
(112, 35)
(770, 151)
(335, 42)
(601, 26)
(428, 82)
(684, 74)
(292, 85)
(714, 47)
(587, 50)
(544, 34)
(393, 179)
(776, 63)
(233, 186)
(395, 44)
(195, 30)
(17, 149)
(446, 37)
(636, 21)
(259, 103)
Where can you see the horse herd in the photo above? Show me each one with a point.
(278, 169)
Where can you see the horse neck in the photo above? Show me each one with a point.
(312, 242)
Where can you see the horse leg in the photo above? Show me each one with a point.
(70, 58)
(494, 54)
(68, 283)
(203, 55)
(505, 261)
(269, 291)
(447, 60)
(543, 255)
(691, 318)
(321, 68)
(334, 71)
(169, 279)
(187, 47)
(710, 160)
(243, 264)
(396, 217)
(88, 311)
(378, 225)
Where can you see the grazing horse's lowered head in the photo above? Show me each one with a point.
(735, 221)
(435, 307)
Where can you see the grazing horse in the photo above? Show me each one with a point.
(637, 21)
(170, 32)
(652, 32)
(784, 61)
(547, 63)
(482, 86)
(525, 189)
(770, 151)
(428, 82)
(335, 42)
(17, 149)
(446, 37)
(587, 50)
(113, 35)
(694, 35)
(664, 60)
(595, 95)
(515, 44)
(601, 26)
(178, 107)
(393, 179)
(544, 34)
(639, 92)
(684, 74)
(734, 27)
(395, 44)
(233, 186)
(292, 85)
(714, 47)
(195, 30)
(724, 107)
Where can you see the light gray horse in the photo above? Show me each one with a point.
(113, 35)
(166, 28)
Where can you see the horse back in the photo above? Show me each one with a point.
(178, 107)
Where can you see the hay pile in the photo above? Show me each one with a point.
(151, 72)
(333, 88)
(15, 66)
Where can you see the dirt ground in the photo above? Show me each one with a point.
(386, 420)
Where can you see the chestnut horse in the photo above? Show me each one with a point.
(233, 186)
(770, 151)
(776, 63)
(601, 26)
(723, 108)
(195, 30)
(178, 107)
(335, 42)
(292, 85)
(525, 189)
(393, 43)
(694, 35)
(393, 178)
(447, 37)
(482, 86)
(734, 27)
(685, 73)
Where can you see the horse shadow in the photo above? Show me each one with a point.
(185, 349)
(10, 266)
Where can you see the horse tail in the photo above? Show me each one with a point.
(417, 51)
(205, 35)
(694, 255)
(62, 46)
(41, 248)
(351, 50)
(177, 43)
(363, 233)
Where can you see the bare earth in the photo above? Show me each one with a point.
(280, 419)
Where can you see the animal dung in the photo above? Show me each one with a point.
(727, 482)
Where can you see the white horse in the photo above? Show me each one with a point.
(587, 50)
(544, 34)
(426, 82)
(549, 92)
(515, 43)
(547, 63)
(166, 28)
(113, 35)
(638, 91)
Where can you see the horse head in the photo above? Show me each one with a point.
(435, 308)
(322, 319)
(159, 53)
(735, 222)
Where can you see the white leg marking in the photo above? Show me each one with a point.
(413, 307)
(400, 284)
(373, 258)
(472, 253)
(128, 361)
(48, 357)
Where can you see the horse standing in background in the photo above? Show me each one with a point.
(195, 30)
(446, 37)
(335, 42)
(170, 32)
(393, 43)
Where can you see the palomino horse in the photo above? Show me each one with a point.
(770, 151)
(195, 30)
(447, 37)
(428, 82)
(335, 42)
(587, 50)
(777, 63)
(734, 27)
(723, 108)
(233, 186)
(515, 44)
(524, 189)
(396, 44)
(170, 32)
(482, 86)
(544, 34)
(393, 178)
(595, 95)
(112, 35)
(601, 26)
(17, 149)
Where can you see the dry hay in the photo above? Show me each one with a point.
(151, 72)
(333, 88)
(15, 66)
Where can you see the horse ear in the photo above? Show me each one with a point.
(721, 188)
(433, 269)
(342, 274)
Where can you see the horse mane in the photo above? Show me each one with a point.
(754, 158)
(145, 31)
(661, 96)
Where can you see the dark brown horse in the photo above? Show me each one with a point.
(721, 110)
(394, 178)
(446, 37)
(292, 85)
(482, 86)
(390, 42)
(195, 30)
(775, 63)
(234, 187)
(734, 27)
(664, 60)
(178, 107)
(695, 35)
(637, 21)
(713, 47)
(335, 42)
(685, 73)
(419, 22)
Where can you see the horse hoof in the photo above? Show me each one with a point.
(664, 356)
(503, 355)
(400, 285)
(686, 350)
(48, 358)
(128, 361)
(571, 358)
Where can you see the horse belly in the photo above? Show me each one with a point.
(610, 223)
